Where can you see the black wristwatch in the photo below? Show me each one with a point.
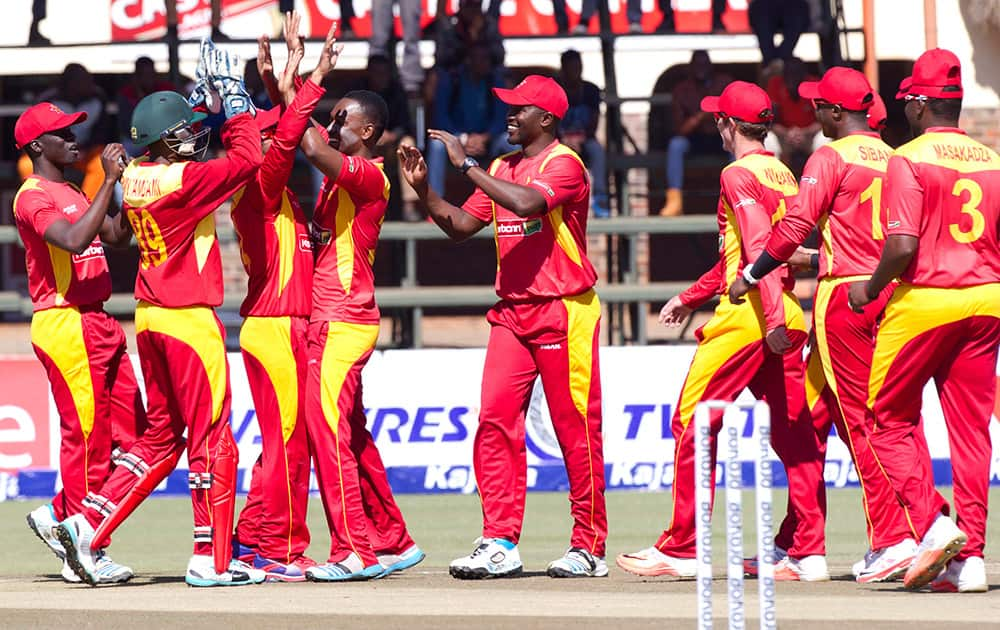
(468, 163)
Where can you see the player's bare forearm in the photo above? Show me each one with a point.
(324, 157)
(453, 221)
(896, 256)
(521, 200)
(76, 237)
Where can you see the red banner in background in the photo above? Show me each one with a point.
(138, 20)
(24, 416)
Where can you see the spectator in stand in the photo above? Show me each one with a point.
(694, 130)
(39, 9)
(78, 92)
(633, 11)
(464, 106)
(578, 128)
(667, 24)
(412, 73)
(144, 81)
(768, 17)
(382, 79)
(795, 133)
(458, 33)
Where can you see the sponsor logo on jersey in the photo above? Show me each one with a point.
(548, 189)
(893, 224)
(745, 202)
(551, 346)
(93, 251)
(809, 179)
(305, 243)
(70, 209)
(510, 229)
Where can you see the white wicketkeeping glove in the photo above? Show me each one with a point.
(203, 92)
(226, 77)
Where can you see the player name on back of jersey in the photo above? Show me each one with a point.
(962, 152)
(142, 187)
(873, 154)
(779, 177)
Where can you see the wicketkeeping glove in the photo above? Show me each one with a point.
(203, 92)
(226, 77)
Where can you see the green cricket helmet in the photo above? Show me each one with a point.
(167, 116)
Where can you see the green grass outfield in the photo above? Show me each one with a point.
(157, 539)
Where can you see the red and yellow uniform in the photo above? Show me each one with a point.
(81, 347)
(278, 258)
(181, 341)
(841, 193)
(360, 510)
(546, 323)
(732, 355)
(943, 322)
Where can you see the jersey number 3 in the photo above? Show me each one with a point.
(152, 250)
(971, 208)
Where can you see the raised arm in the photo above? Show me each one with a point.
(265, 68)
(76, 237)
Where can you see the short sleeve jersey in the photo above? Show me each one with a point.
(756, 191)
(345, 230)
(542, 256)
(57, 277)
(171, 208)
(944, 188)
(840, 193)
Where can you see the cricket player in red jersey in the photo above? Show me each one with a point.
(755, 343)
(841, 194)
(81, 347)
(278, 258)
(546, 323)
(942, 193)
(170, 198)
(369, 537)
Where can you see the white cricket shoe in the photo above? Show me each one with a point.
(42, 521)
(887, 564)
(939, 545)
(201, 572)
(651, 562)
(962, 576)
(68, 575)
(577, 563)
(807, 569)
(860, 565)
(492, 558)
(75, 534)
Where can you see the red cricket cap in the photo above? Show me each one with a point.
(742, 101)
(841, 86)
(877, 115)
(539, 91)
(267, 118)
(936, 74)
(904, 88)
(40, 119)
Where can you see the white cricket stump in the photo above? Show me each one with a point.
(730, 434)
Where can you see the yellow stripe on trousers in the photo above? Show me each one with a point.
(583, 312)
(269, 340)
(345, 345)
(58, 332)
(197, 327)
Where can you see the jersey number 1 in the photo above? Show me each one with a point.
(874, 194)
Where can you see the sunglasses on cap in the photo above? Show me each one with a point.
(915, 97)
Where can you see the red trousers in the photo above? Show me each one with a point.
(950, 335)
(183, 356)
(360, 509)
(95, 391)
(845, 341)
(731, 356)
(275, 355)
(557, 339)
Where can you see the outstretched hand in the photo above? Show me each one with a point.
(113, 161)
(328, 56)
(674, 312)
(264, 64)
(290, 29)
(414, 167)
(456, 152)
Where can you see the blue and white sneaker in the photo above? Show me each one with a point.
(276, 571)
(492, 558)
(242, 552)
(92, 566)
(399, 562)
(577, 563)
(350, 569)
(201, 572)
(42, 521)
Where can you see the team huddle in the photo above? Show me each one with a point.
(909, 289)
